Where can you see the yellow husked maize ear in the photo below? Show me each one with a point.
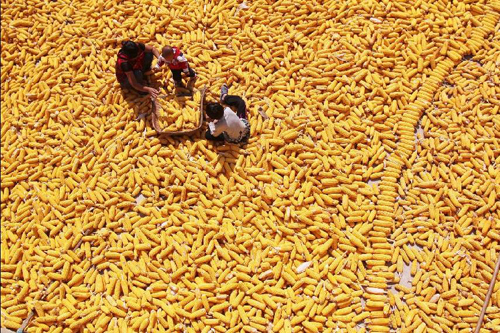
(366, 199)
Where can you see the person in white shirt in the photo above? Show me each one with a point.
(226, 125)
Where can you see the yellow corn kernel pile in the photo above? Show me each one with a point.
(366, 200)
(176, 114)
(448, 201)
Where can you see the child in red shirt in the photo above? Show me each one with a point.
(178, 64)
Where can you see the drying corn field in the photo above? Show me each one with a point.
(177, 114)
(366, 200)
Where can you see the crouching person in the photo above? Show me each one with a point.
(134, 61)
(225, 124)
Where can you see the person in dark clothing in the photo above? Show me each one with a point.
(234, 102)
(134, 60)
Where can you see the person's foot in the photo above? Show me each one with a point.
(179, 84)
(223, 92)
(190, 85)
(181, 91)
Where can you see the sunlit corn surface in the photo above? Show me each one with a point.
(366, 200)
(177, 113)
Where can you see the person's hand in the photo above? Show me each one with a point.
(160, 62)
(153, 92)
(210, 120)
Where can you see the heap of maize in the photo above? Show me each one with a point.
(177, 114)
(366, 200)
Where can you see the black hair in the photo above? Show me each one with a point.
(130, 48)
(215, 110)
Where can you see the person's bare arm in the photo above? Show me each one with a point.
(133, 82)
(153, 49)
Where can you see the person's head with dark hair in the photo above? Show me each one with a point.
(215, 110)
(130, 48)
(168, 53)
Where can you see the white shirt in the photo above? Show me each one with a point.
(230, 124)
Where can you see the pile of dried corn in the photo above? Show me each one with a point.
(447, 214)
(179, 114)
(107, 228)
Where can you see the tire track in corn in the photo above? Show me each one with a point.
(398, 160)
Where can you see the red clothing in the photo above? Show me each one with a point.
(178, 61)
(136, 63)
